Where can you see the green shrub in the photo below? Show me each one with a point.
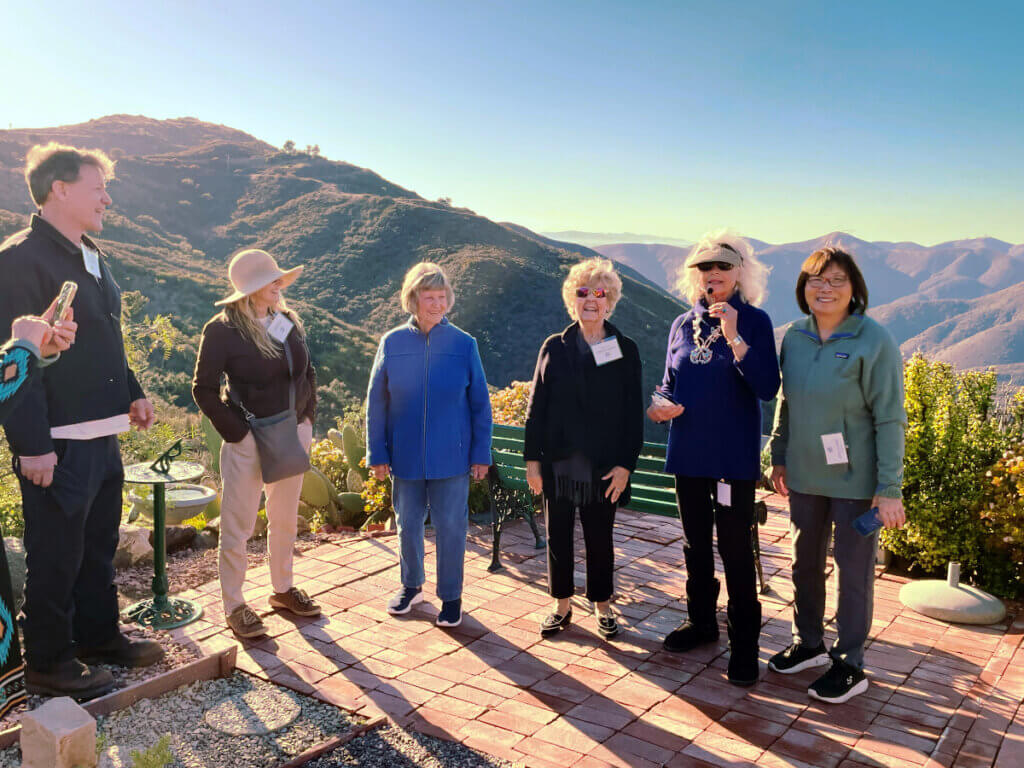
(954, 435)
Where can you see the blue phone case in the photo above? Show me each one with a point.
(868, 523)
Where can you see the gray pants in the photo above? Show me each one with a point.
(811, 519)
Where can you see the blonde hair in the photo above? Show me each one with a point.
(425, 276)
(589, 272)
(752, 274)
(242, 315)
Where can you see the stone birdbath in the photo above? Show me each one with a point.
(182, 501)
(952, 601)
(159, 611)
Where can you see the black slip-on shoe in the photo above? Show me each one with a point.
(555, 623)
(607, 627)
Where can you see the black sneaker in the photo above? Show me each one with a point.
(607, 626)
(554, 623)
(405, 600)
(841, 683)
(450, 615)
(688, 636)
(797, 658)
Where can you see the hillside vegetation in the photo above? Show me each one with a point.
(188, 194)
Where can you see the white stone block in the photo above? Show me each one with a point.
(59, 734)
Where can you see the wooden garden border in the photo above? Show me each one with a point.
(220, 664)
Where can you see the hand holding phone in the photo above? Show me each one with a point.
(868, 523)
(64, 299)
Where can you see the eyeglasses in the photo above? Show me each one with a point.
(835, 282)
(597, 293)
(721, 266)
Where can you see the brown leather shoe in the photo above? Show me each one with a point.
(245, 623)
(296, 601)
(72, 678)
(124, 652)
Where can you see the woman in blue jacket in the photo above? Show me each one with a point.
(428, 425)
(721, 361)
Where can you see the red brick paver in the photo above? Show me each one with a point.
(940, 695)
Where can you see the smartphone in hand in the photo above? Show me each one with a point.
(868, 523)
(64, 299)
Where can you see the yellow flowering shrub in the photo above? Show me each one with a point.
(1002, 514)
(509, 405)
(330, 459)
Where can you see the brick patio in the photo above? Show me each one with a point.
(940, 695)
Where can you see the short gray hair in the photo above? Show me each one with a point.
(425, 276)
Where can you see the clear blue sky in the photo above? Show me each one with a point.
(783, 120)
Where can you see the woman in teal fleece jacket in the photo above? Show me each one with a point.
(837, 453)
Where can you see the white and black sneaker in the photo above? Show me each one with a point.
(840, 684)
(404, 601)
(797, 658)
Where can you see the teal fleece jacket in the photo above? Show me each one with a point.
(853, 384)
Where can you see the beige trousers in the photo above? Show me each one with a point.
(242, 483)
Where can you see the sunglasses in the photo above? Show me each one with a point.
(597, 293)
(721, 266)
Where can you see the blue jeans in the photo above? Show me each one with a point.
(446, 501)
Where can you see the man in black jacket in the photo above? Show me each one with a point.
(63, 434)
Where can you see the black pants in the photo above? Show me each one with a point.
(598, 520)
(699, 512)
(70, 541)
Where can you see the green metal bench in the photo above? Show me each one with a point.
(653, 491)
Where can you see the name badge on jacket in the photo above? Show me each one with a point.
(606, 351)
(835, 448)
(279, 328)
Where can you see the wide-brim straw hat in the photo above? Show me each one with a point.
(717, 252)
(253, 269)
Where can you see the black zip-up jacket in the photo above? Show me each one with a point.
(577, 406)
(91, 380)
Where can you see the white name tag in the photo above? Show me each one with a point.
(279, 328)
(835, 448)
(724, 494)
(606, 351)
(92, 261)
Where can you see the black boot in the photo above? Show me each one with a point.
(700, 627)
(70, 678)
(123, 652)
(744, 633)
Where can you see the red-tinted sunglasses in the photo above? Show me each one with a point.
(597, 293)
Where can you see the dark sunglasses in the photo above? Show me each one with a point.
(597, 293)
(707, 266)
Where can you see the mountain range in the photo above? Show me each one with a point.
(188, 194)
(961, 301)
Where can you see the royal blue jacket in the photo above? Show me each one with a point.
(428, 412)
(719, 434)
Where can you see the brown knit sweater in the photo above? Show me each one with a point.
(261, 383)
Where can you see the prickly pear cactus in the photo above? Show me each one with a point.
(355, 481)
(355, 451)
(213, 441)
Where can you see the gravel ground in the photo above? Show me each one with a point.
(394, 747)
(176, 655)
(195, 745)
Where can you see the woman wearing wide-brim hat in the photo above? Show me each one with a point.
(246, 342)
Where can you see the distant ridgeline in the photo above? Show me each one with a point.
(961, 302)
(188, 194)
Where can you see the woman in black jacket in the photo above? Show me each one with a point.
(584, 432)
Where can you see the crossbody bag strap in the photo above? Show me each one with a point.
(291, 375)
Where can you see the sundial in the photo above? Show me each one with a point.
(159, 611)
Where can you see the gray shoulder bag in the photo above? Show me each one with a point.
(277, 439)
